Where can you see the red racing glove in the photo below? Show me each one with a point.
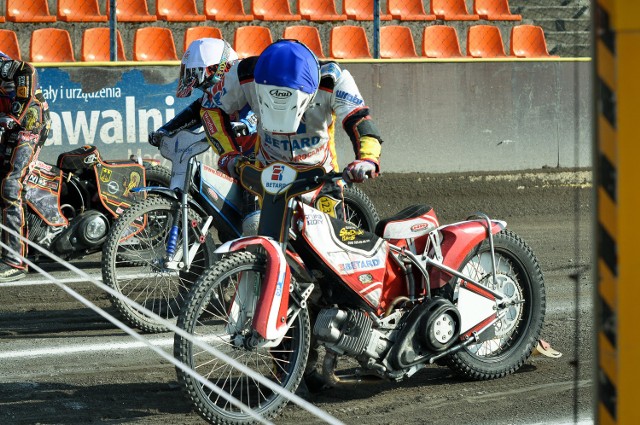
(231, 164)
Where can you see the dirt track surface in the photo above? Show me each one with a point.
(92, 379)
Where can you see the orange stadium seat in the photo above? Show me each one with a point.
(51, 45)
(154, 44)
(132, 11)
(528, 41)
(452, 10)
(494, 10)
(273, 10)
(178, 11)
(485, 41)
(225, 10)
(408, 10)
(251, 40)
(348, 42)
(440, 41)
(396, 41)
(309, 35)
(9, 44)
(195, 33)
(29, 11)
(361, 10)
(96, 45)
(319, 10)
(80, 11)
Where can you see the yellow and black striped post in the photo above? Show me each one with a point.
(617, 38)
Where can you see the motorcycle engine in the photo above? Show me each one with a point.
(40, 232)
(350, 332)
(86, 232)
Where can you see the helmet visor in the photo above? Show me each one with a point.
(190, 78)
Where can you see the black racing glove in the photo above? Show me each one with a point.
(155, 137)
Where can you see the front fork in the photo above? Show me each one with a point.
(174, 256)
(242, 312)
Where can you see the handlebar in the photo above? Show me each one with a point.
(331, 176)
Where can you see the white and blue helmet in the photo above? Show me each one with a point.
(287, 75)
(203, 64)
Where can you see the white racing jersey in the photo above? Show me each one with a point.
(337, 100)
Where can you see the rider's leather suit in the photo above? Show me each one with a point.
(22, 98)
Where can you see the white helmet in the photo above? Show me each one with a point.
(286, 75)
(203, 64)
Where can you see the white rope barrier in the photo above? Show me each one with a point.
(319, 413)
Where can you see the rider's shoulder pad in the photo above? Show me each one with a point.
(329, 74)
(245, 69)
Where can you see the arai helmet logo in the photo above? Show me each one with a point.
(280, 93)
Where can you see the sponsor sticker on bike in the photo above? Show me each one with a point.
(276, 177)
(105, 175)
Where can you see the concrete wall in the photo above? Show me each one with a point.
(479, 116)
(435, 117)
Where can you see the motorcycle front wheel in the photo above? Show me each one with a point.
(359, 210)
(133, 262)
(516, 334)
(208, 315)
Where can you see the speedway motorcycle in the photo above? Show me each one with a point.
(71, 205)
(173, 234)
(469, 295)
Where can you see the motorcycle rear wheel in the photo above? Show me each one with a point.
(205, 315)
(359, 210)
(133, 265)
(157, 175)
(517, 333)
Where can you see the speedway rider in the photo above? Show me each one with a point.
(298, 103)
(26, 129)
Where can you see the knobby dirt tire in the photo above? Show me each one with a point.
(205, 315)
(519, 332)
(133, 266)
(156, 175)
(359, 210)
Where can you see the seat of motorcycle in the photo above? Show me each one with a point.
(78, 159)
(411, 212)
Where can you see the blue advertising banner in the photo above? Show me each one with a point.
(113, 108)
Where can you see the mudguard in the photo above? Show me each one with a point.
(270, 319)
(115, 182)
(458, 239)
